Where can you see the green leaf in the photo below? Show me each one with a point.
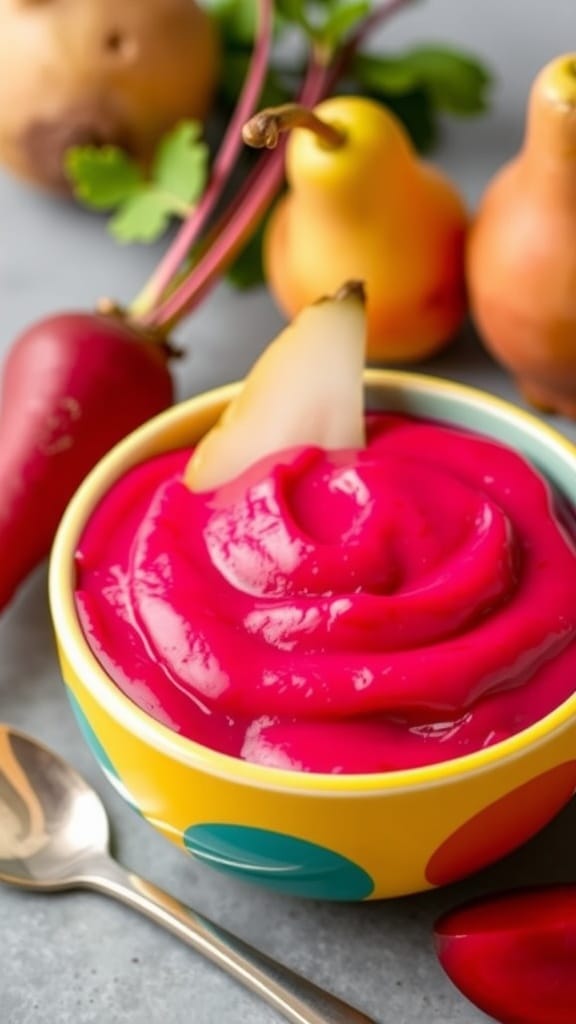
(102, 177)
(108, 179)
(292, 11)
(458, 82)
(327, 22)
(238, 19)
(181, 163)
(142, 218)
(384, 76)
(341, 19)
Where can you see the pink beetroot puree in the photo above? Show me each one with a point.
(349, 611)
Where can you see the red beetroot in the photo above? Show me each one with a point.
(72, 386)
(514, 955)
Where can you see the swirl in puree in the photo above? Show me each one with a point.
(350, 610)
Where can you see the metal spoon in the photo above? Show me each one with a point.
(54, 835)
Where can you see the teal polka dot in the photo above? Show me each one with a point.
(99, 752)
(91, 737)
(280, 862)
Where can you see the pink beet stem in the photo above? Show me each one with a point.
(223, 164)
(237, 222)
(251, 202)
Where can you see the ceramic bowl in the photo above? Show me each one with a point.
(341, 837)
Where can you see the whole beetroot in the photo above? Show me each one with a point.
(73, 385)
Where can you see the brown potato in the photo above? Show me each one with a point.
(97, 71)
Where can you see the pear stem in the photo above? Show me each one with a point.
(263, 131)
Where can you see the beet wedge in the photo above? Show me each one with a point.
(514, 955)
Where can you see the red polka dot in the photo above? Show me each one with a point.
(504, 825)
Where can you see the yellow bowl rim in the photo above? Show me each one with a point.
(105, 692)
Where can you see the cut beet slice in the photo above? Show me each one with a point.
(514, 954)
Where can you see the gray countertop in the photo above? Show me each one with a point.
(78, 957)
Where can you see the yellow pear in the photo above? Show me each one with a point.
(361, 204)
(305, 389)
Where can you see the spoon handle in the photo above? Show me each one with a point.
(299, 1000)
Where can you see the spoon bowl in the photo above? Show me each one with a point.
(52, 822)
(54, 835)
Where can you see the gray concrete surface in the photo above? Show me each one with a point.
(80, 959)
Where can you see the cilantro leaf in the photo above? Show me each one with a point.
(142, 218)
(102, 177)
(181, 163)
(107, 178)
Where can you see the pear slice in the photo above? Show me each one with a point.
(305, 389)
